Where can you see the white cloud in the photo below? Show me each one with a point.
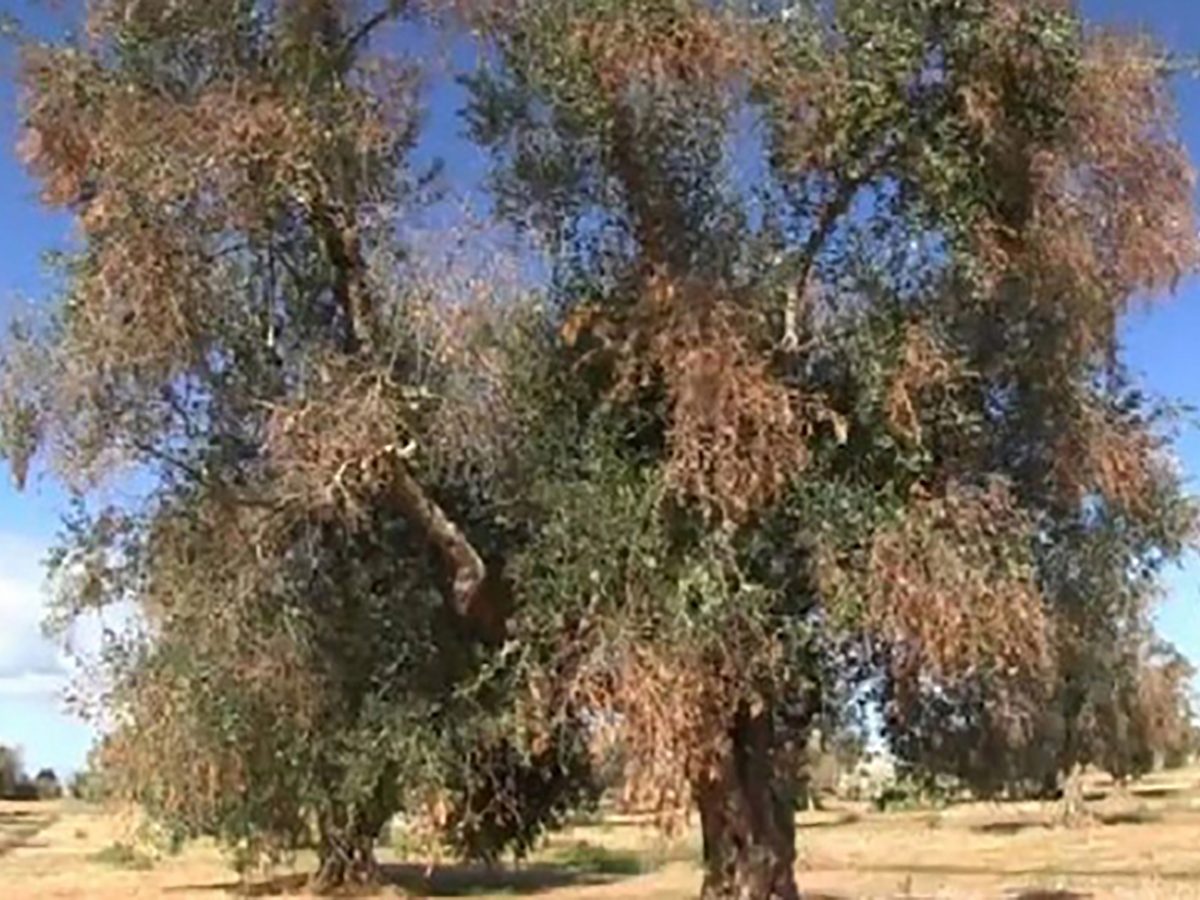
(35, 671)
(27, 657)
(31, 664)
(33, 684)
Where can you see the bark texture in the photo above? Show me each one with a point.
(746, 815)
(345, 860)
(476, 592)
(1074, 807)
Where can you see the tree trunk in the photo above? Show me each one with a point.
(1074, 808)
(746, 815)
(1051, 787)
(346, 856)
(345, 863)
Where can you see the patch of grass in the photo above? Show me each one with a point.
(1139, 816)
(593, 859)
(120, 855)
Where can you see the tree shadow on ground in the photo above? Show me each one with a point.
(1015, 826)
(615, 822)
(421, 881)
(18, 830)
(1130, 817)
(1190, 875)
(844, 819)
(1120, 817)
(1155, 792)
(467, 880)
(276, 886)
(10, 816)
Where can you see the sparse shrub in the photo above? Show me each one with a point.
(910, 791)
(89, 784)
(594, 859)
(122, 855)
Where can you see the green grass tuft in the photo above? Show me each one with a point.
(593, 859)
(120, 855)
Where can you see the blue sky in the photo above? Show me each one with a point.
(1160, 343)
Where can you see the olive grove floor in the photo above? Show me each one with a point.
(1143, 844)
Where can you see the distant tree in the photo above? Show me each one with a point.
(47, 785)
(835, 748)
(1164, 716)
(82, 786)
(25, 790)
(90, 783)
(12, 771)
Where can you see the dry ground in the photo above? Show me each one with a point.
(1144, 845)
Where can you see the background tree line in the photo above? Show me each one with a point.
(15, 783)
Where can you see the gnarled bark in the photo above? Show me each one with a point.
(347, 838)
(475, 594)
(345, 858)
(466, 566)
(746, 815)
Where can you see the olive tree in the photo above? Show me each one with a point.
(837, 288)
(312, 552)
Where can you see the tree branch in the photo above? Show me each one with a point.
(339, 240)
(469, 576)
(805, 259)
(199, 476)
(476, 595)
(467, 568)
(364, 31)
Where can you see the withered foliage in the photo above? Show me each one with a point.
(210, 683)
(1116, 210)
(410, 504)
(182, 193)
(471, 323)
(1120, 460)
(327, 450)
(924, 368)
(736, 435)
(951, 589)
(1095, 204)
(690, 45)
(665, 711)
(1164, 711)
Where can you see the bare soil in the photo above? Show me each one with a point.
(1143, 843)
